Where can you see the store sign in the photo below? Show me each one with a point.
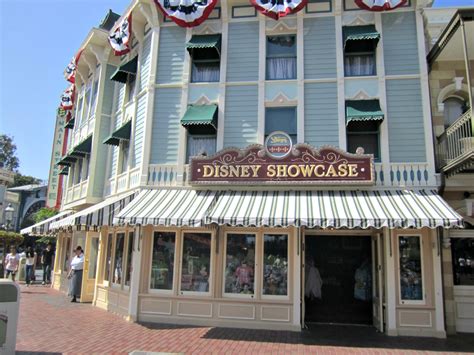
(55, 180)
(272, 164)
(278, 144)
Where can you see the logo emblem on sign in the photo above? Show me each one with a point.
(278, 144)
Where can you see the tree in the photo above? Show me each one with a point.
(8, 158)
(44, 213)
(22, 180)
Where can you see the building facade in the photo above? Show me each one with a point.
(187, 170)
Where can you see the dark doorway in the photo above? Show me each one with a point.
(344, 265)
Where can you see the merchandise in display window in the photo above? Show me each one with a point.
(275, 264)
(162, 264)
(240, 264)
(463, 261)
(196, 262)
(108, 258)
(411, 283)
(118, 260)
(128, 271)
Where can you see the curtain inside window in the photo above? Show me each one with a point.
(205, 72)
(281, 68)
(359, 65)
(131, 86)
(199, 145)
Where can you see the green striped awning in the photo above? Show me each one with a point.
(338, 209)
(64, 171)
(66, 160)
(43, 227)
(84, 147)
(363, 110)
(168, 208)
(360, 33)
(122, 73)
(204, 42)
(122, 133)
(70, 124)
(200, 115)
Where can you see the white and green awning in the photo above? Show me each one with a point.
(43, 227)
(337, 209)
(168, 208)
(95, 216)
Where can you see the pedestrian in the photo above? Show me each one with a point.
(47, 260)
(12, 261)
(30, 265)
(75, 274)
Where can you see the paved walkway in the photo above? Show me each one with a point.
(50, 324)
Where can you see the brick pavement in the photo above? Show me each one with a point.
(49, 323)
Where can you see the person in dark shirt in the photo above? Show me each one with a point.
(47, 261)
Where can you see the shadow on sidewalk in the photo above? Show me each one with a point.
(35, 353)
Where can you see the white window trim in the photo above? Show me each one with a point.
(256, 270)
(211, 265)
(423, 291)
(156, 290)
(289, 271)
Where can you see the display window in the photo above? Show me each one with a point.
(196, 260)
(118, 259)
(411, 269)
(275, 265)
(128, 270)
(463, 261)
(162, 261)
(67, 254)
(108, 259)
(239, 268)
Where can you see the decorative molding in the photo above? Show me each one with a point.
(203, 100)
(205, 30)
(281, 100)
(359, 20)
(361, 95)
(280, 27)
(448, 91)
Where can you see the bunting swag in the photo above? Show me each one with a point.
(187, 13)
(380, 5)
(119, 38)
(278, 8)
(70, 71)
(67, 98)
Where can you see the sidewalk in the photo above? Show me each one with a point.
(49, 323)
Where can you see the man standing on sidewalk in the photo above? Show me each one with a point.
(47, 260)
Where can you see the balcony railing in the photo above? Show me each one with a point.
(455, 148)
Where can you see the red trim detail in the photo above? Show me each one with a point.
(194, 23)
(385, 7)
(276, 16)
(128, 49)
(72, 77)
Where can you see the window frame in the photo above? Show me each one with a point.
(128, 233)
(190, 135)
(211, 264)
(114, 254)
(286, 297)
(173, 288)
(270, 57)
(256, 271)
(201, 61)
(362, 133)
(401, 301)
(106, 281)
(123, 164)
(295, 135)
(358, 54)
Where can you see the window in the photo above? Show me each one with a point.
(240, 264)
(364, 134)
(93, 258)
(162, 261)
(359, 58)
(125, 147)
(78, 175)
(275, 265)
(87, 99)
(67, 247)
(453, 109)
(94, 98)
(463, 261)
(196, 262)
(200, 144)
(281, 119)
(411, 275)
(108, 258)
(118, 259)
(206, 62)
(78, 114)
(281, 57)
(128, 270)
(131, 86)
(86, 166)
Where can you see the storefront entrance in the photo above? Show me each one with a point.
(338, 280)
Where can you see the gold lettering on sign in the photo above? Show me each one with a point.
(353, 170)
(271, 172)
(208, 171)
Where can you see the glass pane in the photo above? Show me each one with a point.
(205, 72)
(198, 145)
(359, 65)
(411, 283)
(118, 261)
(162, 262)
(131, 87)
(281, 68)
(67, 254)
(78, 114)
(93, 258)
(131, 237)
(108, 258)
(453, 109)
(196, 262)
(280, 119)
(125, 155)
(369, 141)
(463, 261)
(281, 46)
(240, 264)
(94, 98)
(275, 264)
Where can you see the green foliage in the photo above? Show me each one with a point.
(22, 180)
(11, 237)
(46, 240)
(44, 213)
(8, 158)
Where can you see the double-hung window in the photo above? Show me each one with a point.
(205, 58)
(364, 135)
(125, 153)
(281, 119)
(281, 57)
(360, 43)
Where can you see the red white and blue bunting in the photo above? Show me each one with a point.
(120, 36)
(278, 8)
(70, 71)
(187, 13)
(380, 5)
(67, 98)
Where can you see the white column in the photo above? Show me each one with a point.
(135, 276)
(341, 95)
(390, 283)
(223, 77)
(297, 277)
(438, 284)
(261, 79)
(300, 119)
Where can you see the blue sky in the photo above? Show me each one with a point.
(37, 40)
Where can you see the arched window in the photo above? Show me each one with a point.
(454, 107)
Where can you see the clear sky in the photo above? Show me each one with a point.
(37, 40)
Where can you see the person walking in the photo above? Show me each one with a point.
(30, 265)
(47, 260)
(75, 274)
(11, 263)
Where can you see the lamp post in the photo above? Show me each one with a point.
(9, 210)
